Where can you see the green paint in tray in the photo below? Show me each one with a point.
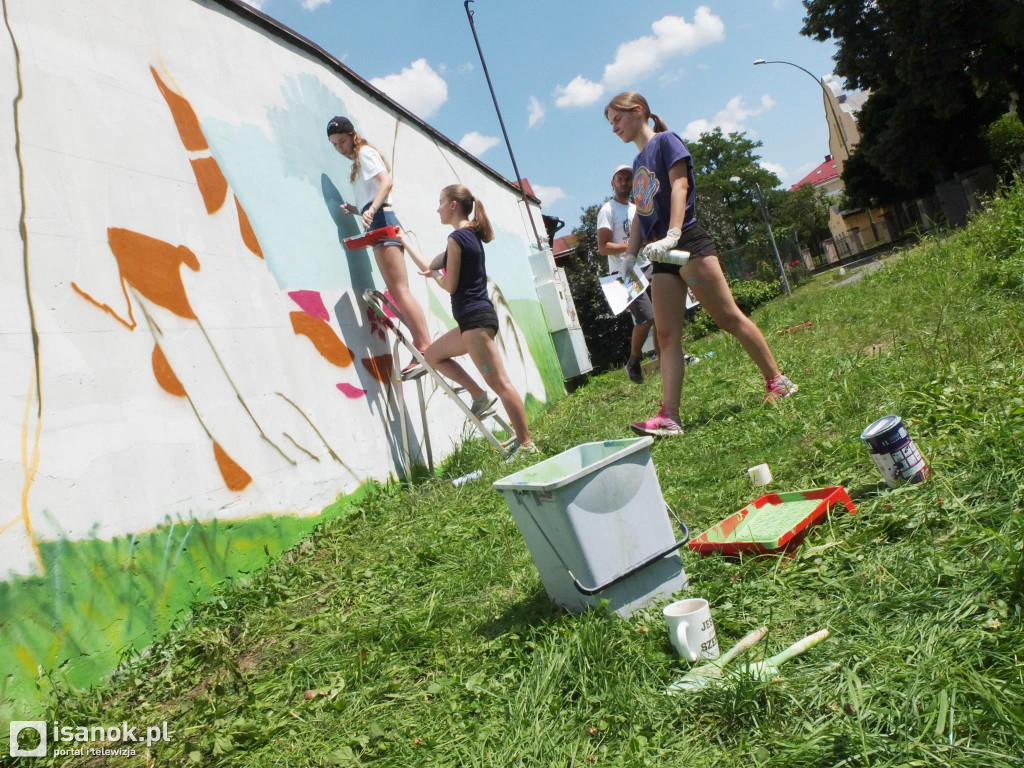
(771, 522)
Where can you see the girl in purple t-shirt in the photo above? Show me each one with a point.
(665, 198)
(465, 278)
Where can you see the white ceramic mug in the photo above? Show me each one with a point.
(691, 630)
(759, 475)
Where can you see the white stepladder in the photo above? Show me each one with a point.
(377, 302)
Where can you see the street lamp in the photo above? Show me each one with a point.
(828, 98)
(839, 126)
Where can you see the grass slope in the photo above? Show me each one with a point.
(423, 623)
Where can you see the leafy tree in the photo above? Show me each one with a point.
(607, 336)
(939, 72)
(805, 211)
(1005, 139)
(728, 209)
(908, 148)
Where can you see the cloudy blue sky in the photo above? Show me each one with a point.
(556, 63)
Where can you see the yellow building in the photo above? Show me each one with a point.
(856, 229)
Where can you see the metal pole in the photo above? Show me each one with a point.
(533, 225)
(771, 237)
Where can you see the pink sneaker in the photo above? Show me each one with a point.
(778, 388)
(661, 425)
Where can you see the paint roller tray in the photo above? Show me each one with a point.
(372, 237)
(772, 522)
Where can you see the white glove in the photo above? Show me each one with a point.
(626, 265)
(656, 251)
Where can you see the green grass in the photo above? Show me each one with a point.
(423, 623)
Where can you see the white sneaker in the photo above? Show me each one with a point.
(482, 404)
(518, 451)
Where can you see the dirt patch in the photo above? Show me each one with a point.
(878, 349)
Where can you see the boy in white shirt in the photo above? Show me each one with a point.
(613, 222)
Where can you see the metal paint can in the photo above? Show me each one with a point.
(898, 459)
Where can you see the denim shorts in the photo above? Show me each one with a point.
(384, 217)
(696, 241)
(481, 318)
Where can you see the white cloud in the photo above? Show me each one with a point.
(536, 112)
(312, 5)
(776, 168)
(668, 78)
(731, 119)
(548, 195)
(778, 5)
(806, 168)
(476, 143)
(463, 69)
(417, 87)
(257, 4)
(580, 92)
(635, 59)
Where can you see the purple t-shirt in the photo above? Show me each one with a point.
(471, 292)
(652, 190)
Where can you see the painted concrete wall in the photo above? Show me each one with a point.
(182, 338)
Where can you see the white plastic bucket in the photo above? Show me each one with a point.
(597, 526)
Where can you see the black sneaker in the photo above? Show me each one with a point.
(633, 370)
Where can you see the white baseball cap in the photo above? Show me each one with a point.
(623, 168)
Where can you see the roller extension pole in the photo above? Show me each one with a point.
(508, 144)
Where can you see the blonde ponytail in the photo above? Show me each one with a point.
(470, 205)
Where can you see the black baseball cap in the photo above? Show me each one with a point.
(340, 124)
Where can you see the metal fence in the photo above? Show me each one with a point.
(757, 262)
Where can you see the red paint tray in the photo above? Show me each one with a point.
(772, 522)
(372, 237)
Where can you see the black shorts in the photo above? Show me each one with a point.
(481, 318)
(696, 241)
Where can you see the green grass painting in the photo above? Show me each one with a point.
(419, 626)
(101, 600)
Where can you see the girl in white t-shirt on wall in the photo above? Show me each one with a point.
(371, 179)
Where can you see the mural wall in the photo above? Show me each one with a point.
(189, 373)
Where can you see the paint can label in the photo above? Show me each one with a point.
(894, 452)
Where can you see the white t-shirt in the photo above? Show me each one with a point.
(618, 217)
(365, 185)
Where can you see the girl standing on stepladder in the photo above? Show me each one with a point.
(465, 278)
(371, 178)
(665, 197)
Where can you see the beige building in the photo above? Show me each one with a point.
(854, 230)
